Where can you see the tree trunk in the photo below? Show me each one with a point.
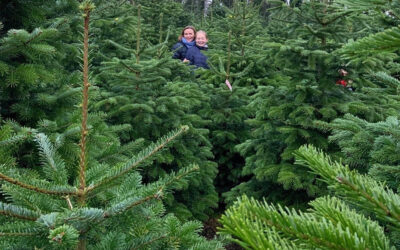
(207, 4)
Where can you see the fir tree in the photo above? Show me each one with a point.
(365, 145)
(233, 57)
(331, 223)
(144, 87)
(52, 207)
(27, 67)
(297, 93)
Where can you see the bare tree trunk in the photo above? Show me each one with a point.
(197, 6)
(207, 4)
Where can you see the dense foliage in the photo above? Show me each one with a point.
(321, 73)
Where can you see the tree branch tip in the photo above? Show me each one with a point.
(185, 128)
(87, 6)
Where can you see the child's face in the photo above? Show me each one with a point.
(201, 39)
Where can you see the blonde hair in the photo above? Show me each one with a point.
(202, 31)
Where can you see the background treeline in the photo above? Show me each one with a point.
(201, 148)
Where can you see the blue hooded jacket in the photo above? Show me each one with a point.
(180, 48)
(197, 58)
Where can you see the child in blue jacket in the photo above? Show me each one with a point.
(194, 54)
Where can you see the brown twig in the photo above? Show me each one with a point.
(7, 213)
(85, 100)
(16, 234)
(37, 189)
(69, 202)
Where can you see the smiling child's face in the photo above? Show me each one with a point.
(201, 39)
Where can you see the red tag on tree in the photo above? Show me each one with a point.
(342, 82)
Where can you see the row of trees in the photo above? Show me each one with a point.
(68, 147)
(357, 211)
(71, 178)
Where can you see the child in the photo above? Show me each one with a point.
(194, 55)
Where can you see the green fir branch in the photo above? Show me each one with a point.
(18, 212)
(53, 165)
(339, 213)
(387, 79)
(134, 162)
(19, 228)
(291, 224)
(149, 242)
(21, 136)
(63, 190)
(130, 203)
(363, 191)
(249, 219)
(129, 68)
(171, 181)
(387, 41)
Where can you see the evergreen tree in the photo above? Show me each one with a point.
(233, 57)
(52, 207)
(356, 136)
(331, 223)
(144, 87)
(368, 146)
(297, 95)
(29, 90)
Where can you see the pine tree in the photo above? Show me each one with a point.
(52, 207)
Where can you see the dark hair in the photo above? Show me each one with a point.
(183, 32)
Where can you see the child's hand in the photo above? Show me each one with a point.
(185, 60)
